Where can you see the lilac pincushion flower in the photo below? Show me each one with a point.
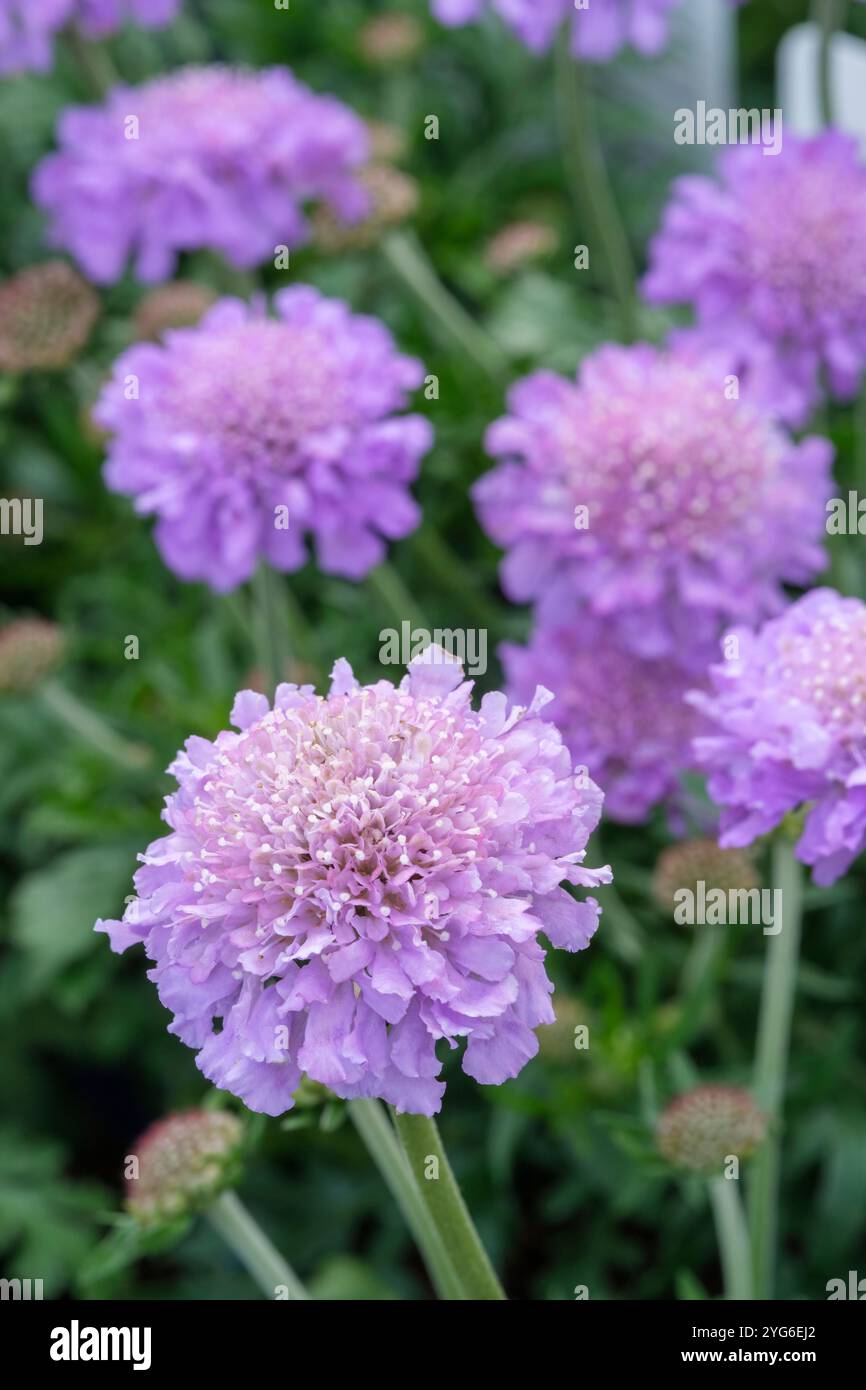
(351, 879)
(624, 719)
(28, 27)
(647, 495)
(599, 31)
(788, 730)
(772, 258)
(213, 157)
(246, 432)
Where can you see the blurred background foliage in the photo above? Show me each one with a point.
(557, 1165)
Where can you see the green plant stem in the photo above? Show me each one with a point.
(590, 184)
(270, 633)
(405, 254)
(828, 15)
(93, 61)
(90, 727)
(259, 1257)
(373, 1125)
(733, 1237)
(421, 1142)
(771, 1063)
(388, 586)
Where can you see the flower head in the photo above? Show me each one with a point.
(772, 257)
(645, 493)
(180, 304)
(27, 27)
(210, 157)
(519, 244)
(788, 730)
(702, 1128)
(247, 432)
(351, 879)
(393, 197)
(623, 718)
(46, 314)
(599, 31)
(184, 1161)
(691, 862)
(391, 39)
(30, 650)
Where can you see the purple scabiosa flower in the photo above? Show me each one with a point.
(788, 730)
(599, 31)
(772, 258)
(623, 718)
(27, 27)
(646, 494)
(247, 432)
(353, 878)
(210, 157)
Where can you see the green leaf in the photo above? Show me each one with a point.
(53, 911)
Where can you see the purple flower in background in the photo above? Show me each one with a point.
(246, 432)
(624, 719)
(598, 32)
(644, 493)
(789, 731)
(27, 27)
(213, 157)
(100, 17)
(772, 258)
(351, 879)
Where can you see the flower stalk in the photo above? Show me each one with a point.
(91, 728)
(373, 1125)
(771, 1063)
(733, 1236)
(404, 253)
(230, 1218)
(590, 183)
(438, 1186)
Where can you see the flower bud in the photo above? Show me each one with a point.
(183, 1162)
(702, 1128)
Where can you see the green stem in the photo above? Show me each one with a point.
(377, 1132)
(93, 61)
(270, 633)
(405, 253)
(591, 187)
(90, 727)
(828, 15)
(259, 1257)
(771, 1061)
(388, 586)
(421, 1142)
(733, 1237)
